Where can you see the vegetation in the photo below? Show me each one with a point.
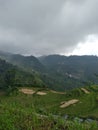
(40, 108)
(55, 71)
(34, 112)
(12, 77)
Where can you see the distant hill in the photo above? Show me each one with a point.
(74, 70)
(73, 66)
(28, 63)
(11, 75)
(55, 71)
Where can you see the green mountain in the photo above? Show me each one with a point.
(55, 71)
(28, 63)
(71, 71)
(75, 66)
(34, 107)
(12, 76)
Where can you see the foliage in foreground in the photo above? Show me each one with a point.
(13, 119)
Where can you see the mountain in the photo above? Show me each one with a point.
(73, 66)
(61, 72)
(12, 76)
(72, 70)
(56, 71)
(28, 63)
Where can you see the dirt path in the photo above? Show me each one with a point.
(85, 91)
(68, 103)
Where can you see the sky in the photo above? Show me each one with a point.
(43, 27)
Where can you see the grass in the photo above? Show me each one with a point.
(35, 112)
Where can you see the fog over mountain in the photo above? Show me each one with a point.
(49, 26)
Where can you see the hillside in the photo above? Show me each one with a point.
(57, 72)
(78, 67)
(6, 72)
(42, 109)
(26, 102)
(72, 71)
(28, 63)
(12, 76)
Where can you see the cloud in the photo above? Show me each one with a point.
(46, 26)
(89, 47)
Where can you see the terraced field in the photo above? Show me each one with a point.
(31, 108)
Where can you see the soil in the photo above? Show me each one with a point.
(85, 91)
(30, 91)
(27, 91)
(65, 104)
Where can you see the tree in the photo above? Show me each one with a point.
(10, 80)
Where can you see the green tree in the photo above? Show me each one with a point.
(10, 80)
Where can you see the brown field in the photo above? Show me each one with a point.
(31, 91)
(65, 104)
(85, 91)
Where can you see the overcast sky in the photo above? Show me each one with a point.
(42, 27)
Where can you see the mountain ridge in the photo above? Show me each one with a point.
(56, 71)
